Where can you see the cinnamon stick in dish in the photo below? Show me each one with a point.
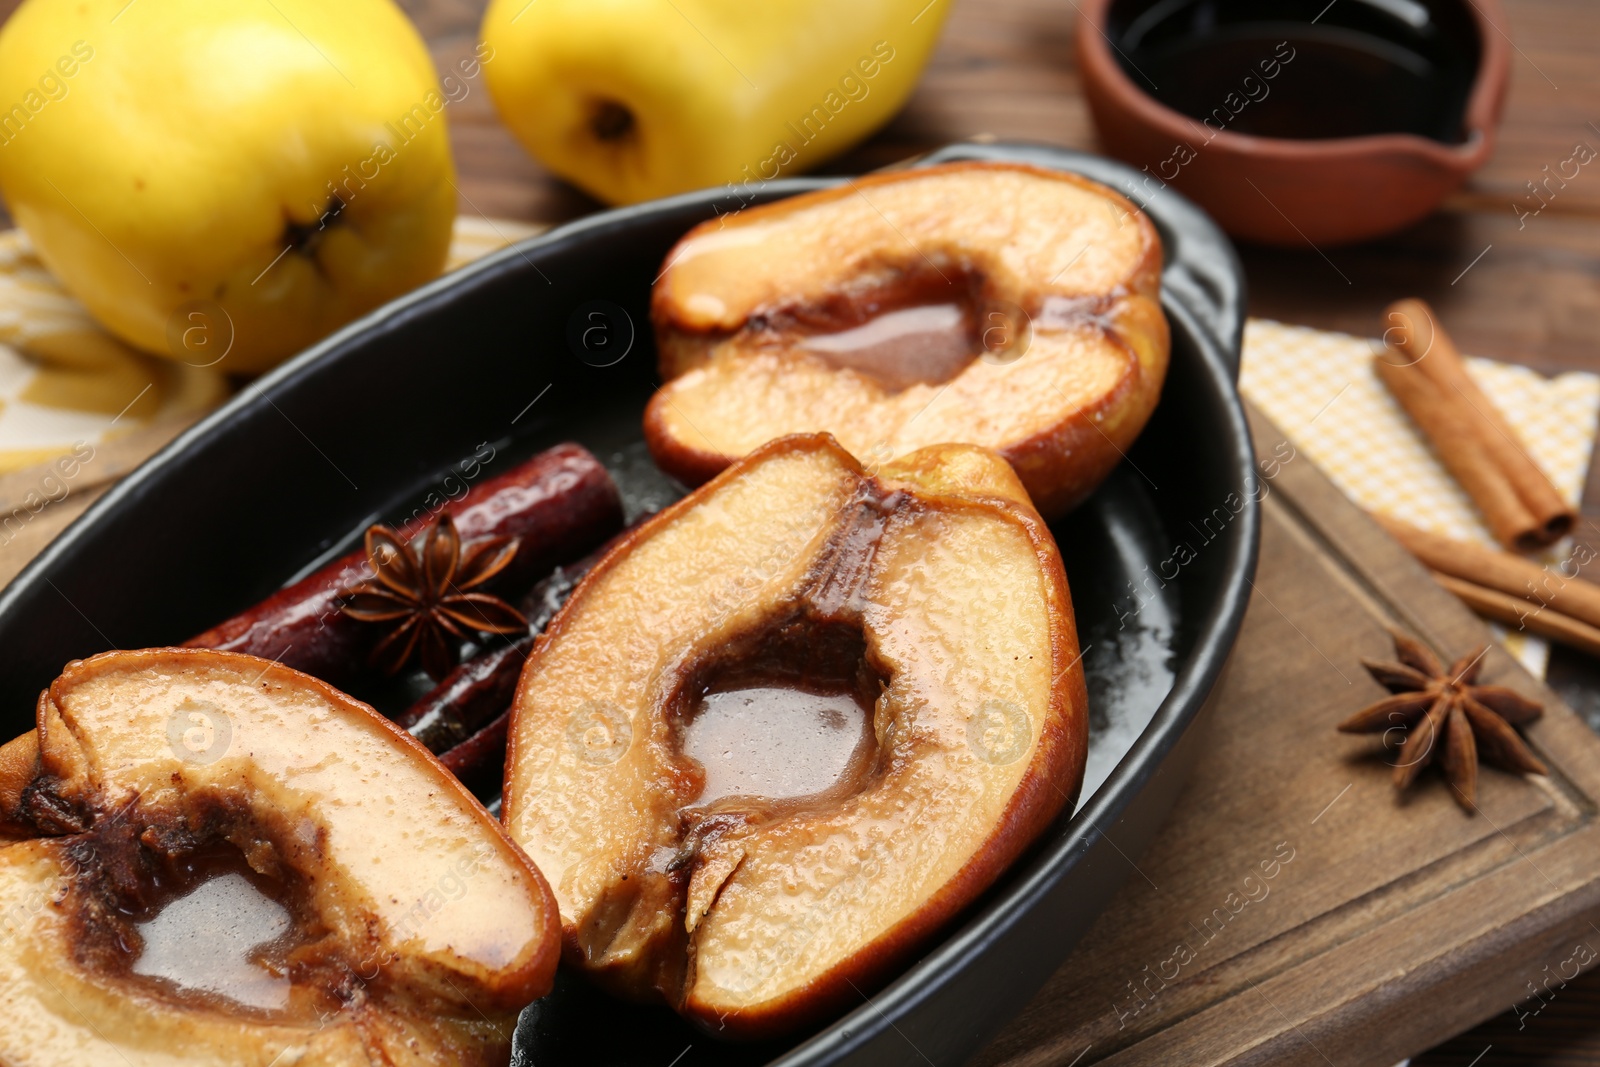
(1425, 372)
(558, 504)
(472, 697)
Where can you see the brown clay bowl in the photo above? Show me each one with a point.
(1291, 190)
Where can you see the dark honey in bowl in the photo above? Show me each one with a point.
(1304, 69)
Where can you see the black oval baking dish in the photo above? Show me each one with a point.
(358, 427)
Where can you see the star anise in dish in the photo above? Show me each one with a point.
(1433, 705)
(426, 595)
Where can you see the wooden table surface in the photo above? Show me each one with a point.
(1006, 68)
(1528, 293)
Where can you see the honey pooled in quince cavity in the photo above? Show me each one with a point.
(928, 345)
(218, 938)
(774, 741)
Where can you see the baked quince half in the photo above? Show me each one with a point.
(206, 858)
(793, 724)
(995, 304)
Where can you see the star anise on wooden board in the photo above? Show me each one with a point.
(1430, 701)
(425, 594)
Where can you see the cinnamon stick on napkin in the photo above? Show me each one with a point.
(1426, 374)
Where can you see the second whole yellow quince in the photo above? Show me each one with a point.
(226, 182)
(633, 99)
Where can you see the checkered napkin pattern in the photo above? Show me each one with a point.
(1320, 389)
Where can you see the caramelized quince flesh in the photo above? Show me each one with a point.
(1000, 305)
(213, 859)
(929, 593)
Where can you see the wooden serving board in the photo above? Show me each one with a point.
(1295, 909)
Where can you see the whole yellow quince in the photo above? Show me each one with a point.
(632, 99)
(225, 182)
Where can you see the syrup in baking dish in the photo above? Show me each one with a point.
(223, 937)
(924, 344)
(776, 741)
